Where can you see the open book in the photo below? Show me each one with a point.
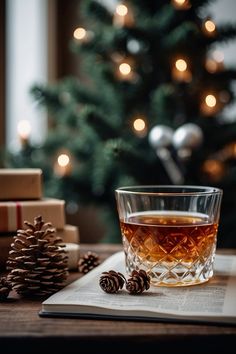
(214, 301)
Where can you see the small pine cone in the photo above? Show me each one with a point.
(89, 261)
(111, 281)
(5, 288)
(138, 282)
(37, 260)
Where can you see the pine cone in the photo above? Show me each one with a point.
(37, 261)
(111, 281)
(138, 282)
(89, 261)
(5, 288)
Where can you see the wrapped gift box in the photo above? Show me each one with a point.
(13, 214)
(20, 183)
(70, 234)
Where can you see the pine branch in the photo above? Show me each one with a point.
(101, 125)
(95, 11)
(165, 18)
(79, 92)
(127, 157)
(225, 33)
(220, 77)
(46, 96)
(185, 33)
(102, 173)
(163, 104)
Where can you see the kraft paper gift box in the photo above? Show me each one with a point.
(20, 183)
(13, 214)
(69, 234)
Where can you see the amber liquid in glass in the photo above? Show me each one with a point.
(173, 240)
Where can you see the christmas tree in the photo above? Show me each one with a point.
(149, 108)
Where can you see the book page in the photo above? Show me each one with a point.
(217, 298)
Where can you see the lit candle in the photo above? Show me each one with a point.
(123, 16)
(180, 71)
(62, 165)
(24, 130)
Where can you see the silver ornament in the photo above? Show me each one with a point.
(160, 136)
(188, 136)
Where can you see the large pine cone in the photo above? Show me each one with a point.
(37, 261)
(138, 282)
(111, 281)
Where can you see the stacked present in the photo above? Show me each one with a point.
(21, 198)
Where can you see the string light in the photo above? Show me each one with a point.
(139, 126)
(181, 4)
(123, 16)
(125, 69)
(209, 27)
(181, 65)
(79, 33)
(210, 104)
(62, 166)
(63, 160)
(82, 35)
(210, 100)
(180, 71)
(121, 9)
(24, 130)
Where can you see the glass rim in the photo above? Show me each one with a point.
(196, 190)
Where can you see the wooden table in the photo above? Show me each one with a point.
(23, 331)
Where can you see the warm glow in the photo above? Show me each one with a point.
(121, 10)
(24, 129)
(211, 65)
(214, 169)
(125, 68)
(181, 65)
(139, 124)
(215, 62)
(63, 160)
(210, 26)
(210, 100)
(179, 2)
(79, 33)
